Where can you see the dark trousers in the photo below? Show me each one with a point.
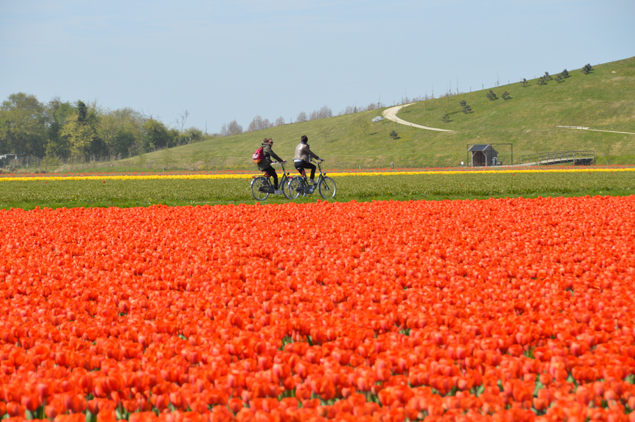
(299, 166)
(272, 172)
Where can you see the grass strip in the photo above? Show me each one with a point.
(196, 191)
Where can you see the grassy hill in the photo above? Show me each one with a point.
(603, 99)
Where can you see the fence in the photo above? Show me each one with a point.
(577, 157)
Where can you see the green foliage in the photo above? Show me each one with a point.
(491, 95)
(79, 135)
(587, 69)
(446, 118)
(22, 125)
(506, 96)
(157, 135)
(394, 135)
(565, 74)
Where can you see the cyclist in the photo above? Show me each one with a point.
(265, 164)
(302, 157)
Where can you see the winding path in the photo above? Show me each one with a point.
(391, 114)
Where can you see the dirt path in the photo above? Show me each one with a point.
(594, 130)
(391, 114)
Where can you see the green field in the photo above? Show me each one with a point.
(133, 193)
(599, 100)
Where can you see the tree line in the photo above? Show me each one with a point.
(80, 131)
(84, 131)
(258, 123)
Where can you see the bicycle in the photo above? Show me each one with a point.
(261, 186)
(299, 185)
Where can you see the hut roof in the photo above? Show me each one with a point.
(479, 147)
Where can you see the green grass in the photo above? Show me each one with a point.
(600, 100)
(140, 193)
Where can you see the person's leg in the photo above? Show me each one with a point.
(273, 174)
(312, 167)
(300, 168)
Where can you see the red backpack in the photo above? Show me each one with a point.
(258, 156)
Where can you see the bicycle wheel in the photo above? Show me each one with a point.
(260, 188)
(296, 187)
(284, 187)
(327, 188)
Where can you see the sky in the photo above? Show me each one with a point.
(236, 59)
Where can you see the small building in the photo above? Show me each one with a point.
(7, 159)
(484, 155)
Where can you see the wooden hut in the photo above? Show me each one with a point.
(484, 155)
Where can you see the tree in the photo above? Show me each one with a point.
(23, 124)
(57, 113)
(394, 134)
(587, 69)
(79, 134)
(491, 95)
(109, 130)
(302, 117)
(156, 134)
(542, 81)
(192, 135)
(559, 79)
(256, 124)
(547, 76)
(234, 128)
(280, 121)
(506, 96)
(525, 83)
(565, 74)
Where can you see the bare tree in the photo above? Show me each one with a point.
(325, 112)
(280, 121)
(180, 121)
(234, 128)
(256, 124)
(302, 117)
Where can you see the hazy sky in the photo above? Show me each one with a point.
(235, 59)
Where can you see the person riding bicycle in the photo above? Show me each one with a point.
(265, 164)
(302, 158)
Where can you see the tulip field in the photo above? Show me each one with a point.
(466, 310)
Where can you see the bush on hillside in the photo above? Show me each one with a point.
(491, 95)
(587, 69)
(466, 108)
(506, 96)
(525, 83)
(565, 74)
(394, 135)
